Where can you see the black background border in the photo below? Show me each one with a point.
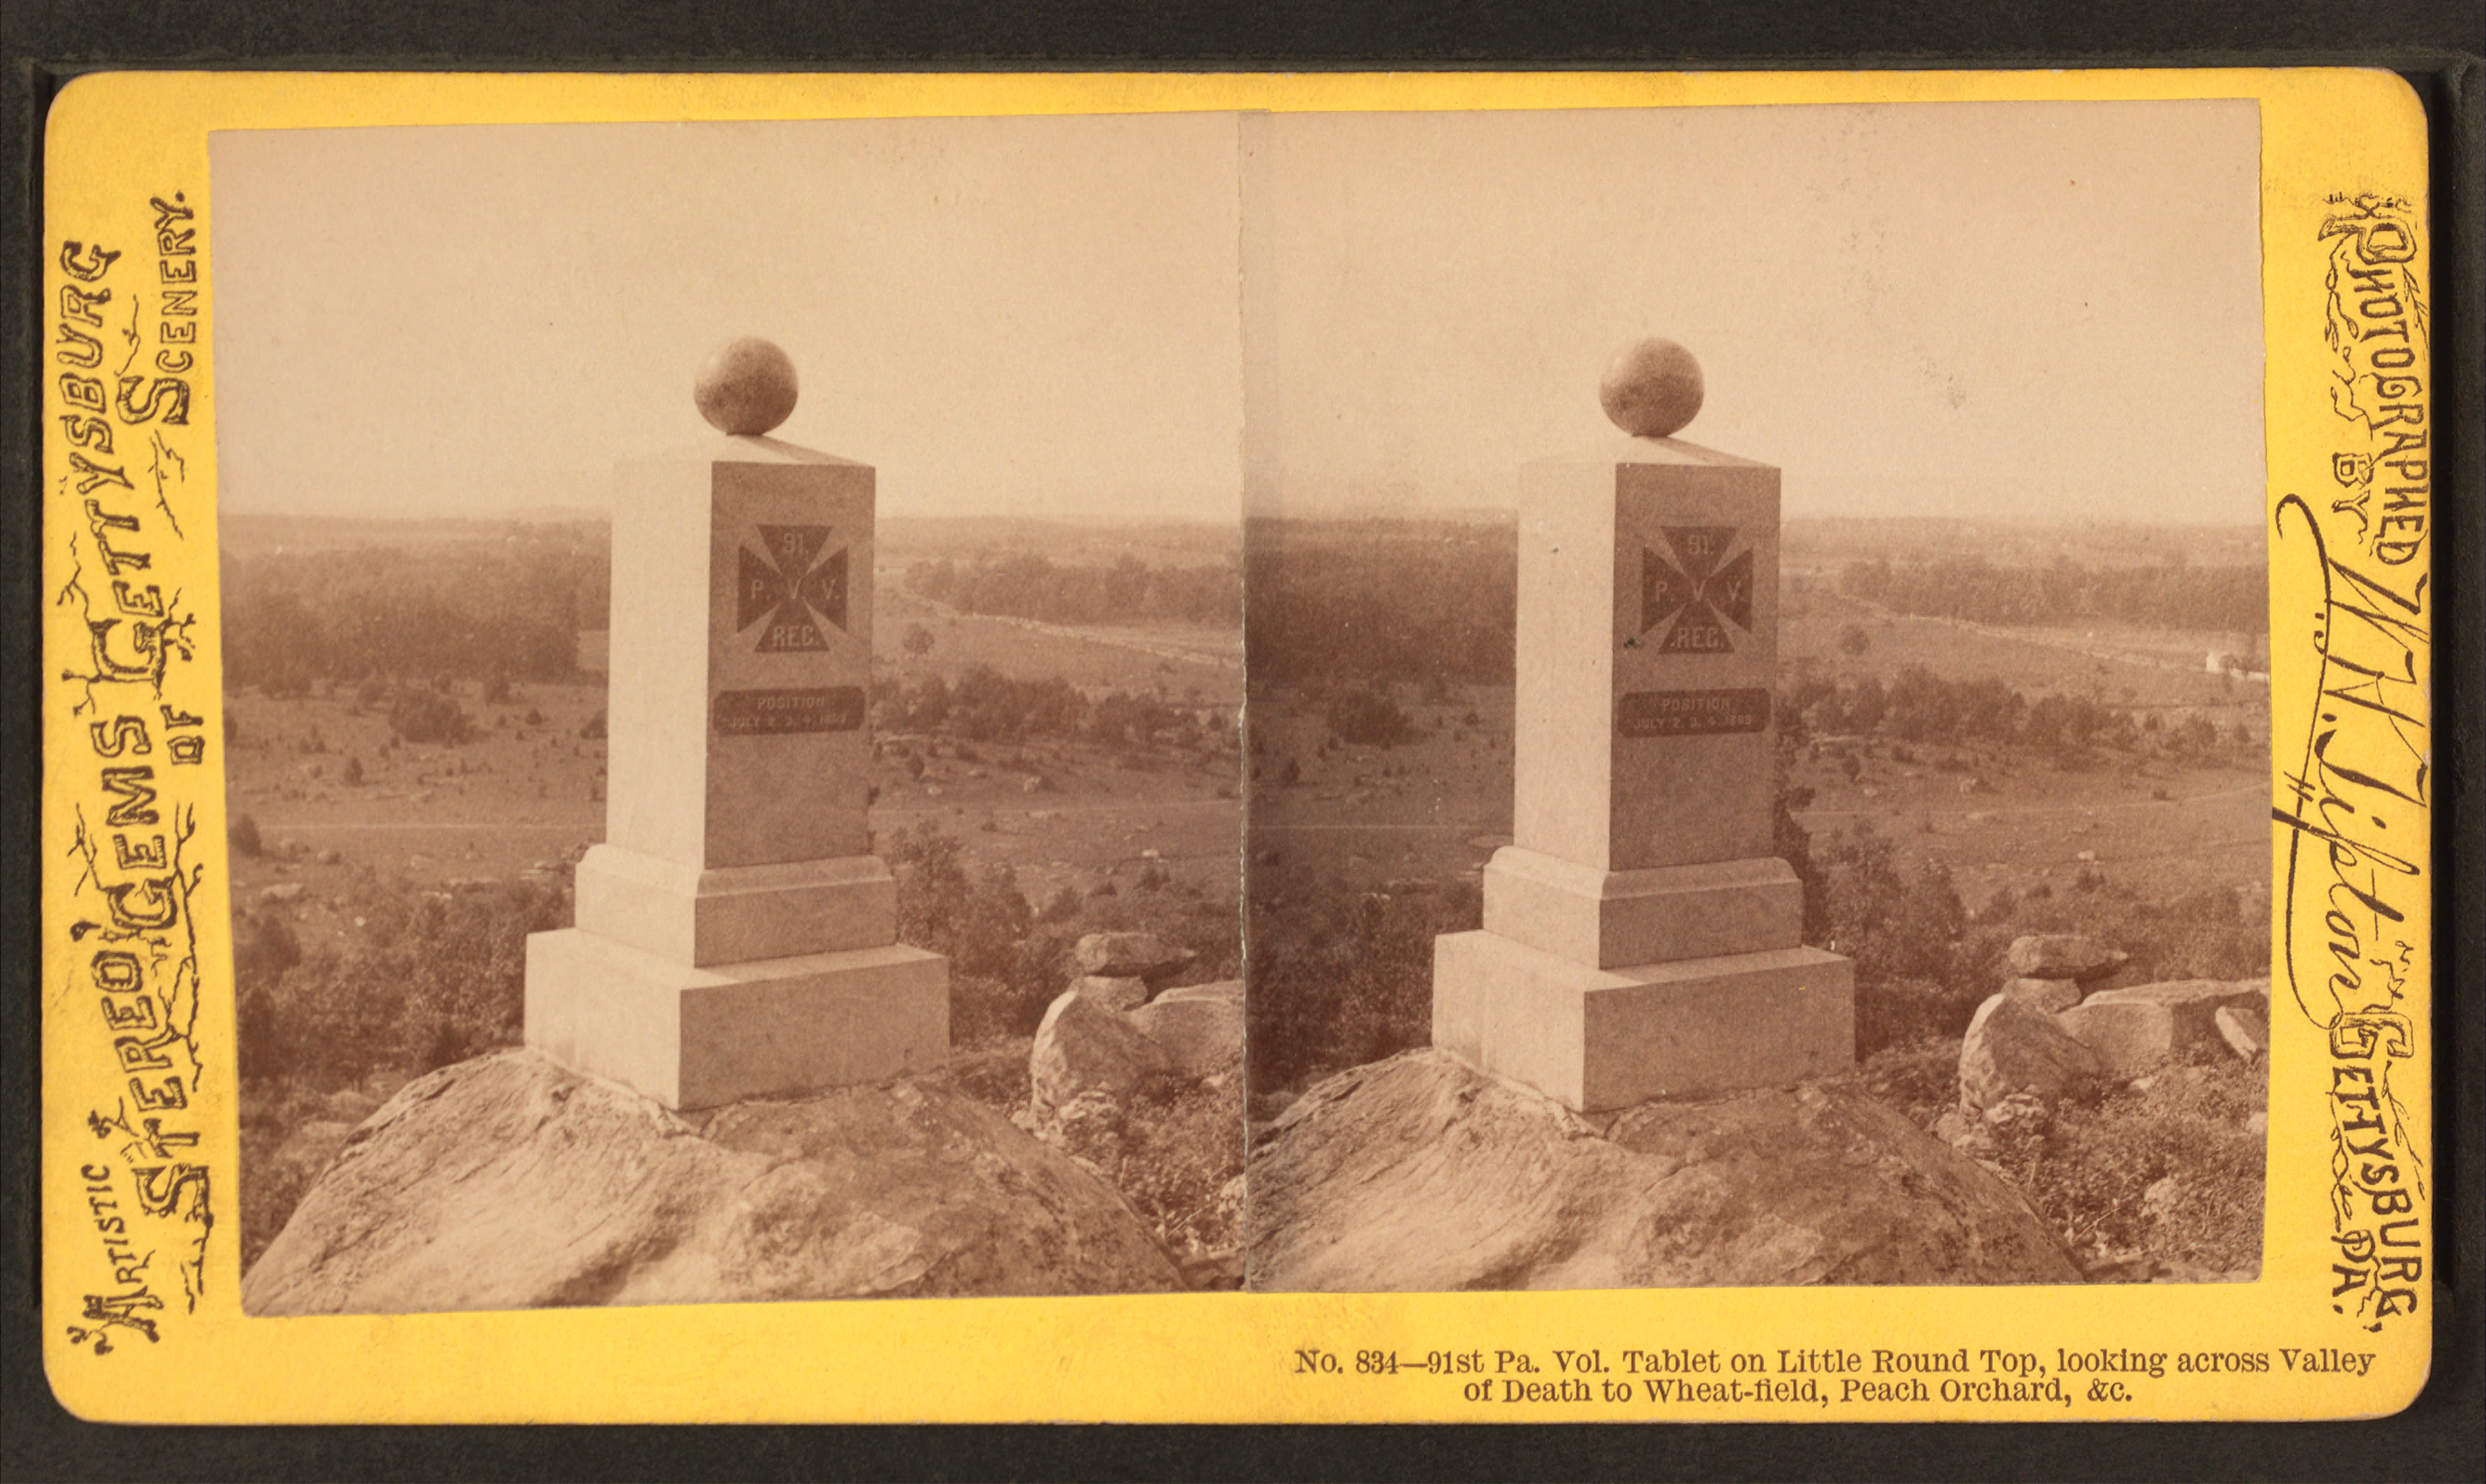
(2432, 42)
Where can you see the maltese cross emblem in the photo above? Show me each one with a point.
(1698, 589)
(792, 588)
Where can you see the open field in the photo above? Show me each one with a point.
(523, 795)
(1437, 807)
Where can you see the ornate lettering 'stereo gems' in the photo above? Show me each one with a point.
(736, 936)
(1639, 937)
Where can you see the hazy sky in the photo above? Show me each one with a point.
(2020, 310)
(1028, 314)
(2044, 310)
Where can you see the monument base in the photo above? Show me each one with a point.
(1616, 918)
(700, 1036)
(1600, 1040)
(731, 914)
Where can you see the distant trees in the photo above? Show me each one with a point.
(1431, 603)
(1027, 585)
(471, 610)
(986, 705)
(2168, 595)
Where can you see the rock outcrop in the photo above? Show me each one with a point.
(509, 1182)
(2133, 1030)
(1421, 1173)
(2014, 1048)
(1114, 994)
(1130, 956)
(1083, 1050)
(1200, 1028)
(2047, 995)
(2060, 956)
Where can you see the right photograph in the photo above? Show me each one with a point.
(1757, 701)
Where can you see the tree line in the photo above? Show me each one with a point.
(1128, 591)
(1437, 608)
(2177, 596)
(477, 611)
(986, 705)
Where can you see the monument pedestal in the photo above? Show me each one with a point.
(1640, 939)
(718, 914)
(695, 1036)
(1599, 1039)
(735, 937)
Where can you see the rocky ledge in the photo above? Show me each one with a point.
(1421, 1174)
(509, 1182)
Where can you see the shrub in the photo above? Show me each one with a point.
(593, 729)
(435, 979)
(243, 834)
(2167, 1168)
(1369, 718)
(421, 715)
(1339, 977)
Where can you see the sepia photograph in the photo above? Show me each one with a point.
(733, 676)
(1315, 747)
(1760, 752)
(1322, 701)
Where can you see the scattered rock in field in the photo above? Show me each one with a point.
(1126, 993)
(282, 892)
(1082, 1047)
(1420, 1173)
(2244, 1029)
(2133, 1030)
(330, 858)
(1201, 1028)
(2257, 1124)
(2060, 956)
(2047, 995)
(506, 1182)
(2012, 1047)
(1130, 956)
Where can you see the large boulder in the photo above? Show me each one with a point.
(2133, 1030)
(2047, 995)
(2246, 1029)
(2060, 956)
(1130, 956)
(1114, 994)
(2012, 1047)
(1083, 1049)
(509, 1182)
(1200, 1028)
(1421, 1174)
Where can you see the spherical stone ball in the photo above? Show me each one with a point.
(1652, 390)
(747, 387)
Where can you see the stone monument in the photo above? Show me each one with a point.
(1641, 940)
(736, 936)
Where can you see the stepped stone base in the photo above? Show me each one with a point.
(1597, 1039)
(1617, 919)
(698, 1036)
(726, 914)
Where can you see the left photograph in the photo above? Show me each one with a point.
(732, 657)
